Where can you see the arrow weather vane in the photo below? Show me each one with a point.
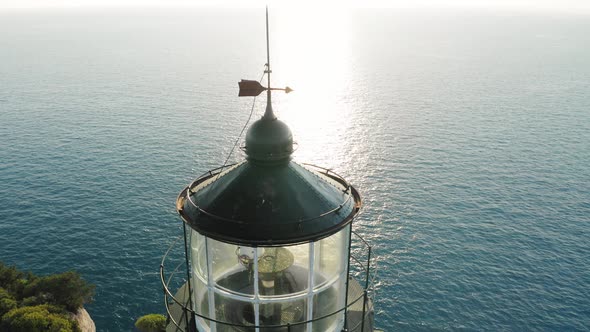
(251, 88)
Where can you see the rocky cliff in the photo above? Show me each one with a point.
(84, 321)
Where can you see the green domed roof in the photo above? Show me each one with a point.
(269, 140)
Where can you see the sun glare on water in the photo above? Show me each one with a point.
(310, 52)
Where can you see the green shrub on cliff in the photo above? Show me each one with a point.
(67, 289)
(31, 303)
(41, 318)
(151, 323)
(11, 279)
(7, 302)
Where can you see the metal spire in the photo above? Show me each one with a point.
(268, 114)
(251, 88)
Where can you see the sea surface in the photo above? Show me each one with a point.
(467, 133)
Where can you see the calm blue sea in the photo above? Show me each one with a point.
(466, 132)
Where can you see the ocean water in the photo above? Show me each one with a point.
(466, 132)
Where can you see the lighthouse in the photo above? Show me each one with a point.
(269, 243)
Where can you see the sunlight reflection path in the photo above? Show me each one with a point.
(311, 52)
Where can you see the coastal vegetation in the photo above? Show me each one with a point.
(151, 323)
(34, 303)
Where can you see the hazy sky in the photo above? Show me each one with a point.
(557, 5)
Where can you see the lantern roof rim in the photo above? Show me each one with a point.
(302, 230)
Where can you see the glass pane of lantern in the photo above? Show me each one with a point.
(283, 313)
(202, 300)
(227, 309)
(199, 255)
(327, 302)
(228, 268)
(283, 270)
(234, 312)
(331, 257)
